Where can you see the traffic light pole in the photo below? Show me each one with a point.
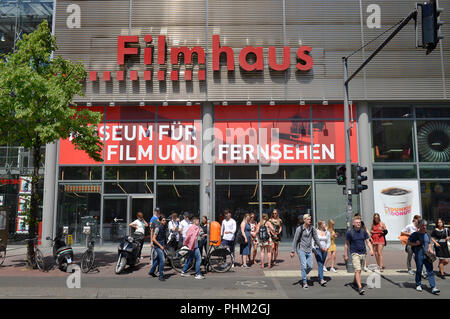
(347, 79)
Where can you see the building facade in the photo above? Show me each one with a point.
(211, 105)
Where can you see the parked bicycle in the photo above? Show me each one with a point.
(37, 261)
(218, 258)
(2, 252)
(88, 257)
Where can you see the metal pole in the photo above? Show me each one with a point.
(348, 161)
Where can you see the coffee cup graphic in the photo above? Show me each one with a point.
(397, 201)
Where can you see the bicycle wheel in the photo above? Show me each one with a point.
(39, 259)
(87, 261)
(2, 254)
(220, 260)
(179, 260)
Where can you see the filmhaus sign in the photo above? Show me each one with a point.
(129, 46)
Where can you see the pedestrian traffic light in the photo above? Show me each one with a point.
(358, 170)
(431, 25)
(340, 175)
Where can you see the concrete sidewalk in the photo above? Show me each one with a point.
(106, 257)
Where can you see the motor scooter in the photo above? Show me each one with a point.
(128, 251)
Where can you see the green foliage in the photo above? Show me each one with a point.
(36, 97)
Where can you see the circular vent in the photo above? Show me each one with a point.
(434, 142)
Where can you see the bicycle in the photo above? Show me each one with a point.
(177, 259)
(37, 261)
(218, 258)
(2, 252)
(88, 257)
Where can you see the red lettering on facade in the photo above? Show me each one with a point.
(273, 59)
(303, 55)
(148, 50)
(259, 63)
(217, 51)
(122, 50)
(161, 50)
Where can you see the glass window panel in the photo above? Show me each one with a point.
(129, 188)
(427, 112)
(76, 210)
(291, 112)
(80, 173)
(240, 199)
(394, 171)
(128, 172)
(114, 219)
(331, 204)
(236, 172)
(434, 171)
(178, 198)
(290, 172)
(393, 141)
(291, 200)
(327, 171)
(332, 111)
(433, 141)
(235, 112)
(178, 172)
(391, 112)
(435, 201)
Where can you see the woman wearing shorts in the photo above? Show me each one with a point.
(378, 240)
(264, 227)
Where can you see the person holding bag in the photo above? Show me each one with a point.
(377, 233)
(420, 241)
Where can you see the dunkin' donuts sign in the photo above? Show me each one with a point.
(129, 46)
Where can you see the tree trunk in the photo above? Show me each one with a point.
(34, 203)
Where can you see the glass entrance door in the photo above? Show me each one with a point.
(115, 220)
(141, 203)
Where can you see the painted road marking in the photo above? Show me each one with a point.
(342, 273)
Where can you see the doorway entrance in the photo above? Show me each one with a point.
(120, 211)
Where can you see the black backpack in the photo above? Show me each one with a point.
(263, 233)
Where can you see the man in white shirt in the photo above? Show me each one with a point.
(407, 231)
(184, 226)
(228, 230)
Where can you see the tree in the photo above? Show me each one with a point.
(37, 108)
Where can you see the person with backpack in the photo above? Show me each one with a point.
(421, 244)
(264, 232)
(303, 245)
(356, 241)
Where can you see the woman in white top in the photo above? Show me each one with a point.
(325, 242)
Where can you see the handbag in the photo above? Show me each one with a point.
(429, 256)
(239, 237)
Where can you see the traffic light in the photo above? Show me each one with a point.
(340, 175)
(358, 170)
(431, 24)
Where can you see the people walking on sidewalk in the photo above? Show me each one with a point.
(321, 251)
(228, 230)
(264, 232)
(404, 236)
(378, 232)
(245, 246)
(254, 238)
(154, 222)
(174, 234)
(302, 244)
(420, 241)
(363, 226)
(159, 240)
(332, 250)
(276, 222)
(193, 236)
(440, 236)
(356, 240)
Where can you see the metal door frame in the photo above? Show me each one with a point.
(130, 198)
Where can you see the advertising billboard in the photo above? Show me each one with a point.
(397, 201)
